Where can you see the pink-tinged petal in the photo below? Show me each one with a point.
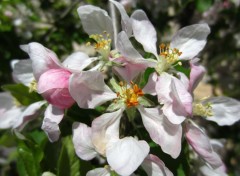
(196, 75)
(82, 141)
(201, 145)
(145, 34)
(77, 61)
(190, 40)
(126, 155)
(105, 129)
(22, 71)
(99, 172)
(174, 113)
(42, 58)
(31, 112)
(161, 131)
(173, 94)
(95, 20)
(125, 20)
(208, 171)
(52, 118)
(163, 88)
(184, 79)
(129, 71)
(181, 97)
(53, 86)
(225, 110)
(155, 167)
(150, 87)
(89, 90)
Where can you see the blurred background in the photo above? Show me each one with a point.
(56, 25)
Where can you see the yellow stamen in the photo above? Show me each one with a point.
(103, 42)
(33, 86)
(170, 55)
(202, 110)
(129, 94)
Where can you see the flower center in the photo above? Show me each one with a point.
(33, 86)
(102, 43)
(170, 55)
(202, 110)
(129, 94)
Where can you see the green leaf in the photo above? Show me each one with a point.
(203, 5)
(68, 163)
(131, 113)
(145, 76)
(27, 164)
(182, 69)
(22, 94)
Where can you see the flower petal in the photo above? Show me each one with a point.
(89, 90)
(42, 58)
(53, 85)
(155, 167)
(95, 20)
(201, 145)
(126, 155)
(196, 75)
(22, 71)
(139, 15)
(9, 113)
(82, 141)
(99, 171)
(77, 61)
(225, 110)
(31, 112)
(52, 118)
(161, 131)
(150, 87)
(146, 29)
(129, 71)
(125, 20)
(105, 129)
(190, 40)
(125, 47)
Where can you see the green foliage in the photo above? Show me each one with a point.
(22, 94)
(68, 163)
(30, 154)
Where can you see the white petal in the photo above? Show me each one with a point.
(125, 47)
(82, 141)
(150, 87)
(22, 71)
(105, 129)
(155, 167)
(201, 145)
(190, 40)
(225, 110)
(196, 75)
(42, 58)
(52, 118)
(207, 171)
(126, 155)
(145, 34)
(9, 113)
(89, 90)
(139, 15)
(31, 112)
(126, 22)
(78, 61)
(161, 131)
(99, 172)
(95, 20)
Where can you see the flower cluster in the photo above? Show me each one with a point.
(129, 85)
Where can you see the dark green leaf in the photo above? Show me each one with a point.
(22, 94)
